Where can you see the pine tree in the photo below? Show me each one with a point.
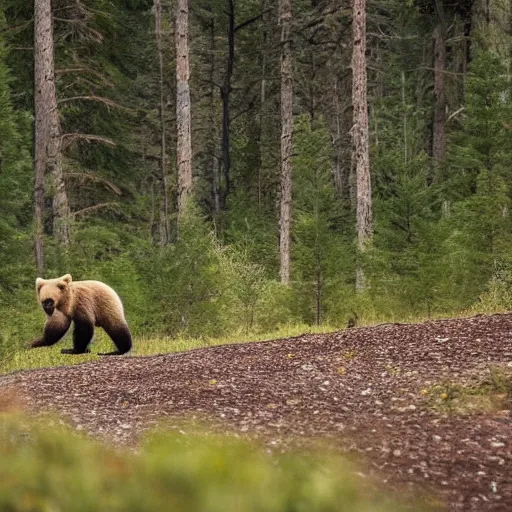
(183, 112)
(15, 181)
(285, 18)
(48, 135)
(361, 136)
(482, 229)
(323, 260)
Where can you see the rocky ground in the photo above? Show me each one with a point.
(422, 403)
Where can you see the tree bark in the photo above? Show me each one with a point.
(361, 137)
(263, 98)
(165, 229)
(47, 136)
(60, 204)
(225, 94)
(213, 144)
(439, 121)
(183, 115)
(285, 19)
(40, 137)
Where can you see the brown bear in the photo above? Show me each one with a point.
(85, 303)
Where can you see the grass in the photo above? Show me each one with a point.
(25, 359)
(492, 391)
(47, 467)
(15, 359)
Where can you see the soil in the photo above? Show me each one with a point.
(408, 398)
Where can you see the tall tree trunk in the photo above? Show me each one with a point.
(40, 138)
(263, 98)
(213, 119)
(285, 19)
(439, 121)
(60, 204)
(225, 94)
(47, 136)
(184, 143)
(360, 136)
(165, 229)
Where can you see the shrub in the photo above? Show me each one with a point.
(53, 469)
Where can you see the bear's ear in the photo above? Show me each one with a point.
(39, 283)
(66, 278)
(64, 281)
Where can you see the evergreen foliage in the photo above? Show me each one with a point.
(15, 175)
(443, 233)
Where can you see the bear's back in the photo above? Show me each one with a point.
(99, 302)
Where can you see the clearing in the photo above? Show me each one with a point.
(421, 403)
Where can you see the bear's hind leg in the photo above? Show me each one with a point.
(122, 338)
(82, 336)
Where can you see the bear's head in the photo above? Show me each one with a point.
(53, 294)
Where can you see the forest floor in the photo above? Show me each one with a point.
(425, 404)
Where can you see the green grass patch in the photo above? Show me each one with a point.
(26, 359)
(52, 468)
(14, 356)
(492, 391)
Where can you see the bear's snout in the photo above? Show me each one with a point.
(48, 306)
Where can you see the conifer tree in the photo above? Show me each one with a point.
(183, 112)
(361, 136)
(48, 136)
(285, 18)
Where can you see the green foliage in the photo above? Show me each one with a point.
(54, 469)
(198, 288)
(497, 295)
(15, 172)
(480, 225)
(253, 233)
(483, 144)
(16, 270)
(442, 234)
(406, 262)
(186, 282)
(323, 258)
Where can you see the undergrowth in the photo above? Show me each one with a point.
(51, 468)
(24, 359)
(490, 391)
(14, 357)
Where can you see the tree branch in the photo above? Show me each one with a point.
(251, 20)
(108, 103)
(90, 209)
(73, 137)
(84, 69)
(84, 176)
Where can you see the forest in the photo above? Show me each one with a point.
(235, 166)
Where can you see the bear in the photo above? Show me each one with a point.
(87, 304)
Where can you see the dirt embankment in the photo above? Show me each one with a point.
(424, 403)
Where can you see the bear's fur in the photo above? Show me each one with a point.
(87, 304)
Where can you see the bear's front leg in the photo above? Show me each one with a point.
(56, 327)
(82, 336)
